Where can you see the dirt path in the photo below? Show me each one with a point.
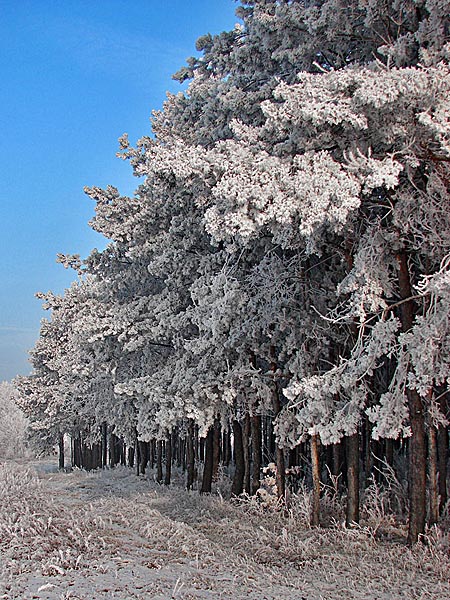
(113, 535)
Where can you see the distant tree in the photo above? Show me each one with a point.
(13, 424)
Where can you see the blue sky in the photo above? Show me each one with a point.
(76, 75)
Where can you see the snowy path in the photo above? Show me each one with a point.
(113, 535)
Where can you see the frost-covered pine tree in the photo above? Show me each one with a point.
(351, 156)
(13, 423)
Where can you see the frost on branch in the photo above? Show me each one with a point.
(428, 342)
(257, 191)
(331, 403)
(369, 283)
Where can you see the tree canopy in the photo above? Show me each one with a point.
(291, 237)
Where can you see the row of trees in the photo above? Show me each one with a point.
(285, 259)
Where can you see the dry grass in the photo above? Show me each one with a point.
(113, 535)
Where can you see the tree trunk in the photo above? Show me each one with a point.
(433, 489)
(367, 455)
(196, 444)
(114, 450)
(131, 453)
(190, 456)
(151, 449)
(181, 454)
(159, 461)
(315, 462)
(442, 449)
(178, 450)
(217, 436)
(246, 430)
(208, 464)
(417, 470)
(238, 479)
(337, 459)
(442, 461)
(269, 441)
(417, 441)
(226, 447)
(104, 434)
(87, 457)
(281, 469)
(352, 451)
(77, 462)
(257, 453)
(281, 473)
(61, 460)
(143, 456)
(168, 460)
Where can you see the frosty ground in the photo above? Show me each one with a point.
(110, 534)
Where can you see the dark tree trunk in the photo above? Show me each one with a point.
(104, 434)
(281, 473)
(367, 455)
(61, 460)
(152, 453)
(246, 430)
(196, 444)
(159, 461)
(168, 460)
(270, 441)
(143, 456)
(190, 456)
(123, 453)
(226, 447)
(183, 454)
(281, 469)
(201, 450)
(257, 454)
(442, 443)
(442, 449)
(77, 459)
(315, 463)
(433, 488)
(114, 450)
(131, 453)
(208, 464)
(217, 435)
(352, 452)
(87, 457)
(178, 450)
(238, 479)
(96, 455)
(417, 441)
(337, 459)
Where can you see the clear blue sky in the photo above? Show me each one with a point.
(75, 75)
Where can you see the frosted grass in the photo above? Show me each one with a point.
(111, 534)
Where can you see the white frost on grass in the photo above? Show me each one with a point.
(111, 535)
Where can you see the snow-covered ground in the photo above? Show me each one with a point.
(111, 534)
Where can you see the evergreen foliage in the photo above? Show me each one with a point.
(287, 254)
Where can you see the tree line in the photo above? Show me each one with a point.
(277, 290)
